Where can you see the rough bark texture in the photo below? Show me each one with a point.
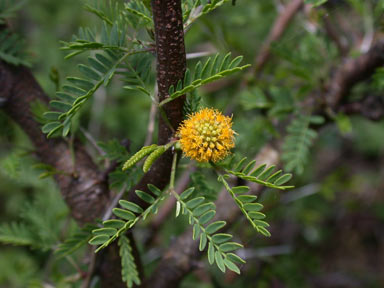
(171, 66)
(82, 186)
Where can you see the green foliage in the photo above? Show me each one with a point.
(248, 206)
(107, 11)
(309, 65)
(11, 45)
(298, 142)
(193, 9)
(113, 150)
(102, 66)
(17, 234)
(129, 215)
(38, 226)
(137, 73)
(213, 69)
(47, 170)
(77, 91)
(129, 272)
(12, 48)
(192, 103)
(263, 175)
(302, 61)
(17, 268)
(8, 9)
(74, 242)
(140, 12)
(203, 188)
(378, 78)
(200, 213)
(110, 38)
(11, 166)
(316, 3)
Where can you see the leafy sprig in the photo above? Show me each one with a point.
(8, 9)
(111, 37)
(129, 272)
(12, 48)
(297, 143)
(213, 69)
(129, 214)
(200, 213)
(140, 14)
(194, 9)
(262, 174)
(73, 243)
(137, 73)
(78, 90)
(248, 206)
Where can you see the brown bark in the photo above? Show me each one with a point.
(81, 185)
(171, 66)
(352, 71)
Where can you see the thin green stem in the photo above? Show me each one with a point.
(129, 224)
(173, 172)
(239, 203)
(196, 220)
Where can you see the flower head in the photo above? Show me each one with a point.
(206, 135)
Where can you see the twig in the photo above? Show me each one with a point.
(93, 142)
(352, 71)
(97, 109)
(168, 206)
(151, 124)
(366, 44)
(199, 54)
(277, 31)
(91, 268)
(339, 41)
(370, 107)
(113, 204)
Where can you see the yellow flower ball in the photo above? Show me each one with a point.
(206, 135)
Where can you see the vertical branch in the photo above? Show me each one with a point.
(171, 66)
(171, 59)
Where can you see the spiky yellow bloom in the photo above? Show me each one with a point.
(206, 135)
